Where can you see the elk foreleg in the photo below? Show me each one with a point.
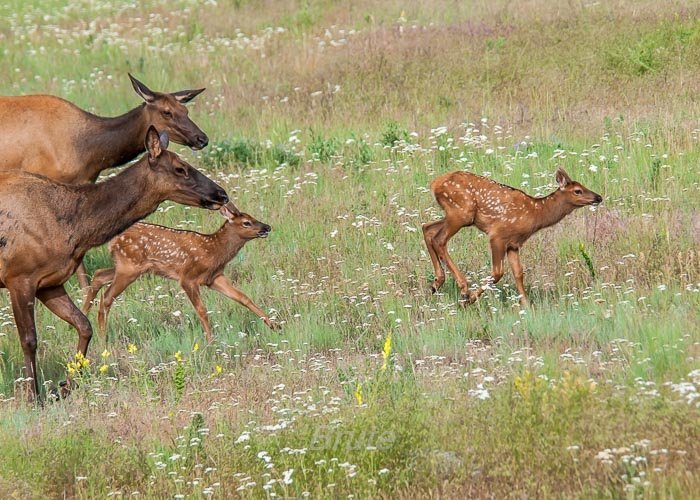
(498, 254)
(22, 298)
(224, 286)
(517, 268)
(119, 284)
(59, 302)
(99, 279)
(192, 291)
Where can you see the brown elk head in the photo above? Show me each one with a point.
(576, 193)
(247, 227)
(179, 180)
(167, 112)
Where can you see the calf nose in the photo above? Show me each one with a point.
(598, 199)
(267, 228)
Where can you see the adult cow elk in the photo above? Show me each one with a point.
(46, 227)
(507, 215)
(48, 135)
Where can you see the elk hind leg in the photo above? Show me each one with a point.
(22, 299)
(448, 230)
(517, 268)
(498, 254)
(430, 230)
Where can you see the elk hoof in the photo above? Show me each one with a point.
(273, 325)
(468, 298)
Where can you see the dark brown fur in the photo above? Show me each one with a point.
(44, 244)
(507, 215)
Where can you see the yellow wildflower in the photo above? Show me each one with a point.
(178, 357)
(358, 394)
(131, 348)
(104, 368)
(105, 353)
(387, 351)
(218, 369)
(196, 347)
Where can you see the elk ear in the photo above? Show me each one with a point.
(153, 144)
(164, 140)
(184, 96)
(145, 93)
(230, 211)
(562, 178)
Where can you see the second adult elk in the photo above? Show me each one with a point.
(193, 259)
(47, 135)
(507, 215)
(46, 228)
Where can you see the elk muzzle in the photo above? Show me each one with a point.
(264, 231)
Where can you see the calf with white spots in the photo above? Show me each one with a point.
(193, 259)
(507, 215)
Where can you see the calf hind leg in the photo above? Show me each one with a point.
(430, 230)
(440, 245)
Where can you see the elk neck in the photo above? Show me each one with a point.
(112, 141)
(112, 206)
(550, 209)
(227, 243)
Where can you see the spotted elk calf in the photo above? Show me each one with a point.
(191, 258)
(507, 215)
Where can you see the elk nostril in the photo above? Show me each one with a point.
(202, 140)
(267, 228)
(222, 196)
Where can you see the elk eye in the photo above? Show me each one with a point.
(181, 171)
(578, 191)
(167, 114)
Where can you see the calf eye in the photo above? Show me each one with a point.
(247, 224)
(578, 191)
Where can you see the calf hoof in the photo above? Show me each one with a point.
(271, 324)
(468, 298)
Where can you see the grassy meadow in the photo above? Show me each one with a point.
(328, 121)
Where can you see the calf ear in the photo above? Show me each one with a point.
(562, 178)
(141, 89)
(153, 144)
(230, 211)
(184, 96)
